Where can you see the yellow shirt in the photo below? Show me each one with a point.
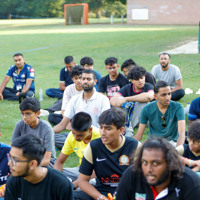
(71, 145)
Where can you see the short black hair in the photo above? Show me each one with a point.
(76, 71)
(68, 59)
(164, 53)
(111, 61)
(32, 147)
(194, 131)
(86, 60)
(18, 54)
(127, 63)
(90, 71)
(30, 103)
(136, 73)
(160, 84)
(81, 121)
(115, 116)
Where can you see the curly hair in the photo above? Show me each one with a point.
(194, 131)
(174, 164)
(136, 73)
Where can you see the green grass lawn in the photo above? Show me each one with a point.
(46, 42)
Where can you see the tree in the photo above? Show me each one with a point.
(115, 9)
(96, 6)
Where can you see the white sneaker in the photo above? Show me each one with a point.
(44, 112)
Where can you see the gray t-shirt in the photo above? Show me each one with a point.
(43, 130)
(170, 76)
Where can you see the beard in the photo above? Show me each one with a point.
(162, 179)
(26, 172)
(164, 66)
(88, 88)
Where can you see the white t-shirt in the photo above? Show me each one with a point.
(170, 76)
(69, 92)
(95, 106)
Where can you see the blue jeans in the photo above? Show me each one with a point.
(54, 93)
(10, 94)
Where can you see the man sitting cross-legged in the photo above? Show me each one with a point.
(108, 156)
(166, 118)
(82, 133)
(89, 101)
(65, 79)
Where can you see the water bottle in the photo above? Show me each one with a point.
(187, 108)
(40, 94)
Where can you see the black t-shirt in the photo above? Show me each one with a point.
(55, 186)
(112, 87)
(128, 90)
(149, 78)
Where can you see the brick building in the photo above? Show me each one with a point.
(177, 12)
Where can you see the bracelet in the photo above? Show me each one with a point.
(100, 197)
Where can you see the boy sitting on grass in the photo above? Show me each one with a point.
(191, 152)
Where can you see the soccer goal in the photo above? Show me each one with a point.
(76, 13)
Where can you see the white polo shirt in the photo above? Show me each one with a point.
(94, 107)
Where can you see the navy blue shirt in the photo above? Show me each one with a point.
(19, 79)
(194, 112)
(65, 77)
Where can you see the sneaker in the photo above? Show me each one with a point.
(43, 112)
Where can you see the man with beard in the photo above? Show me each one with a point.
(90, 101)
(166, 118)
(157, 173)
(29, 180)
(170, 74)
(23, 79)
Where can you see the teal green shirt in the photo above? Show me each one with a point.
(174, 113)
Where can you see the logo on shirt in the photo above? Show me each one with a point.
(140, 196)
(100, 160)
(23, 76)
(112, 90)
(124, 160)
(32, 74)
(31, 70)
(177, 192)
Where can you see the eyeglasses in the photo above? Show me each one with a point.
(163, 119)
(27, 115)
(14, 161)
(193, 141)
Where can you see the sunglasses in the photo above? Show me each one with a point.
(163, 119)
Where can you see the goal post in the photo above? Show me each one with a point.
(76, 13)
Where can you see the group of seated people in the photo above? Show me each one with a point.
(101, 113)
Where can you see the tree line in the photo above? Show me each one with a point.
(54, 8)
